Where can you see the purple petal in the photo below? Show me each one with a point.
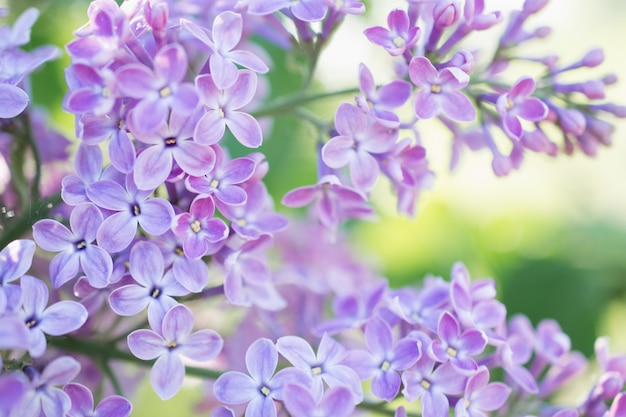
(202, 345)
(532, 109)
(422, 72)
(108, 194)
(167, 376)
(195, 159)
(245, 129)
(300, 197)
(15, 259)
(129, 300)
(512, 125)
(146, 344)
(242, 92)
(288, 376)
(63, 317)
(148, 114)
(117, 231)
(338, 151)
(81, 397)
(522, 88)
(85, 220)
(35, 295)
(227, 29)
(13, 101)
(231, 195)
(210, 128)
(122, 152)
(170, 63)
(64, 267)
(349, 120)
(156, 216)
(248, 60)
(152, 167)
(435, 404)
(394, 94)
(177, 324)
(426, 104)
(406, 353)
(261, 359)
(364, 171)
(135, 80)
(457, 106)
(52, 235)
(378, 337)
(448, 328)
(299, 401)
(55, 403)
(146, 263)
(235, 388)
(191, 274)
(223, 71)
(113, 406)
(261, 406)
(492, 397)
(297, 351)
(472, 342)
(60, 371)
(97, 266)
(386, 385)
(337, 402)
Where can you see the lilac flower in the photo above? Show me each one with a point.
(76, 247)
(326, 366)
(43, 398)
(88, 167)
(439, 91)
(222, 411)
(222, 110)
(131, 207)
(480, 396)
(223, 183)
(94, 91)
(262, 387)
(336, 402)
(198, 228)
(193, 274)
(172, 341)
(455, 346)
(157, 90)
(332, 202)
(305, 10)
(380, 100)
(399, 38)
(517, 103)
(82, 403)
(384, 358)
(13, 387)
(248, 280)
(253, 218)
(15, 260)
(19, 34)
(58, 319)
(13, 101)
(171, 143)
(358, 139)
(432, 385)
(153, 289)
(226, 33)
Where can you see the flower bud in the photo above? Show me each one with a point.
(593, 58)
(446, 13)
(533, 6)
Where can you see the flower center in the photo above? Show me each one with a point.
(135, 210)
(451, 352)
(509, 104)
(31, 322)
(171, 141)
(214, 183)
(220, 111)
(385, 366)
(165, 91)
(155, 293)
(435, 88)
(316, 370)
(171, 345)
(399, 42)
(179, 251)
(265, 390)
(80, 245)
(425, 384)
(241, 222)
(195, 226)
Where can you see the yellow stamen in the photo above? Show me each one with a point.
(435, 88)
(195, 226)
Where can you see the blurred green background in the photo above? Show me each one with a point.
(553, 234)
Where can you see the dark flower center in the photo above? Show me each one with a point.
(80, 245)
(170, 142)
(31, 322)
(135, 210)
(155, 293)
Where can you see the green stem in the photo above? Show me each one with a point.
(38, 210)
(289, 103)
(105, 351)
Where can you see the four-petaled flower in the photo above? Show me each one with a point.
(173, 340)
(439, 91)
(516, 103)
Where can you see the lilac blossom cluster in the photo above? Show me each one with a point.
(159, 224)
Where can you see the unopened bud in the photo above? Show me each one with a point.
(610, 79)
(446, 13)
(533, 6)
(542, 32)
(593, 89)
(593, 58)
(572, 121)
